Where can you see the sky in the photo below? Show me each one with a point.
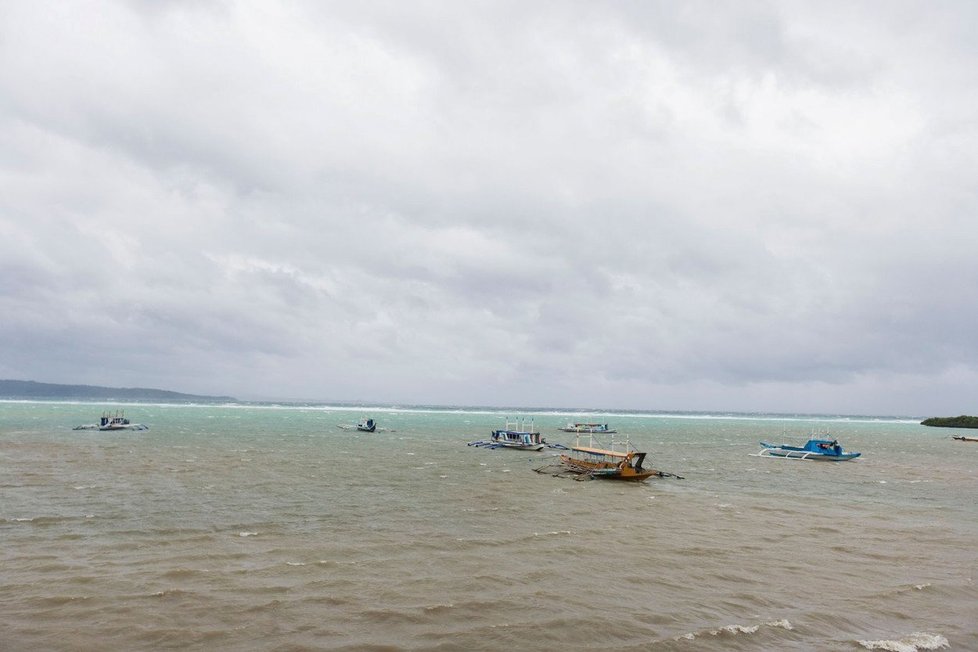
(704, 206)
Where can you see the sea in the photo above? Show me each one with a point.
(280, 527)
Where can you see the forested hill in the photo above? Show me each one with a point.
(21, 389)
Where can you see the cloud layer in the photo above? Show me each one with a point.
(743, 206)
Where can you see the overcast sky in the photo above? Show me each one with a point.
(650, 205)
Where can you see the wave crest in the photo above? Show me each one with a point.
(910, 643)
(735, 630)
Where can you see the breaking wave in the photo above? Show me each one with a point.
(909, 643)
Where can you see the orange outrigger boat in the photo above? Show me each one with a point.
(619, 462)
(609, 464)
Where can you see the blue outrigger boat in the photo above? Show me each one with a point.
(824, 450)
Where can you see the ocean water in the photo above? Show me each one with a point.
(253, 527)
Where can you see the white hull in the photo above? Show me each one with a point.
(521, 447)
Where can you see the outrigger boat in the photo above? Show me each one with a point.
(964, 438)
(606, 464)
(825, 450)
(601, 428)
(516, 435)
(619, 462)
(366, 425)
(113, 422)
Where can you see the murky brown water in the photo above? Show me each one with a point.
(256, 529)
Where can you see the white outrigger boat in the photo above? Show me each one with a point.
(118, 421)
(516, 435)
(598, 428)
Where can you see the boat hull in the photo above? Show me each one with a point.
(520, 447)
(606, 470)
(808, 455)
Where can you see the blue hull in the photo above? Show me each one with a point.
(820, 450)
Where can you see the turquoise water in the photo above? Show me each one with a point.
(271, 527)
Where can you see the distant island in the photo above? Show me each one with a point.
(28, 389)
(962, 421)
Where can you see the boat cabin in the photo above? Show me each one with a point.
(824, 446)
(517, 437)
(597, 455)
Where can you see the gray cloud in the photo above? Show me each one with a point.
(761, 206)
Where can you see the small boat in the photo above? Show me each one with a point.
(516, 435)
(964, 438)
(588, 427)
(825, 450)
(620, 462)
(366, 425)
(118, 421)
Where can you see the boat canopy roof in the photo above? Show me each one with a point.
(599, 451)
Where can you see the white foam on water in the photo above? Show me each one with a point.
(909, 643)
(247, 534)
(552, 533)
(736, 629)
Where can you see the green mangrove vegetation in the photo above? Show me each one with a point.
(962, 421)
